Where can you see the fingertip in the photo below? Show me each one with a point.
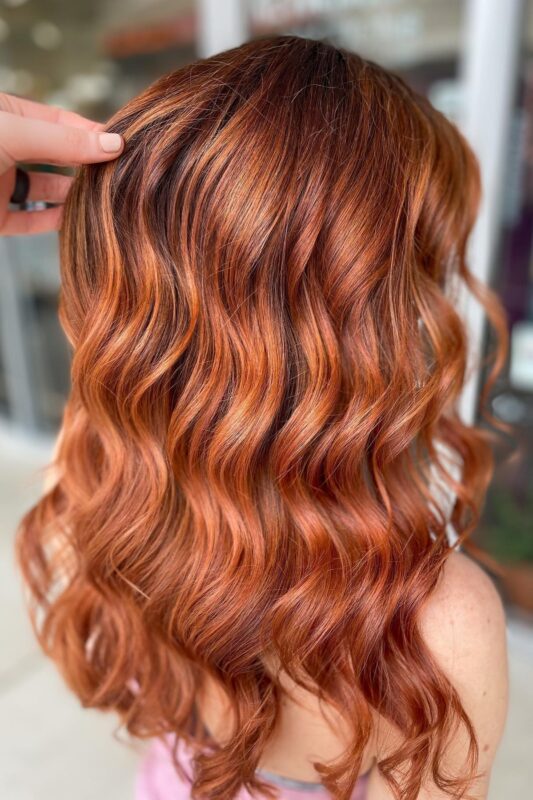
(111, 143)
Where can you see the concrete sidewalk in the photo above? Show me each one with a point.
(52, 749)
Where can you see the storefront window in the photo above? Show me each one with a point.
(506, 531)
(91, 58)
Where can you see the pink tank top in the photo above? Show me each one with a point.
(158, 780)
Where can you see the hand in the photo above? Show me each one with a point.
(35, 133)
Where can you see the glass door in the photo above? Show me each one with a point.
(506, 530)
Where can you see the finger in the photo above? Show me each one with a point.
(29, 139)
(33, 110)
(48, 186)
(29, 222)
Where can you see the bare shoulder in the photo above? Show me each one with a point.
(463, 623)
(464, 626)
(463, 620)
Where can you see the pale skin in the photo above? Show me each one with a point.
(463, 622)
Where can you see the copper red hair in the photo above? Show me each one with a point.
(267, 358)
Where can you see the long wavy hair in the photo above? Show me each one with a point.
(262, 437)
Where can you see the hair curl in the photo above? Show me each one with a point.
(266, 363)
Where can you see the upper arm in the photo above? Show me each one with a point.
(463, 623)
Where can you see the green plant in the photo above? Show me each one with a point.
(506, 530)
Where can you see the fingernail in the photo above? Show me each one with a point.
(110, 142)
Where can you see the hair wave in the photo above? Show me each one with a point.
(267, 357)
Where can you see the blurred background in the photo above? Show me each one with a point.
(474, 60)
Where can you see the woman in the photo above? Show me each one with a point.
(245, 549)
